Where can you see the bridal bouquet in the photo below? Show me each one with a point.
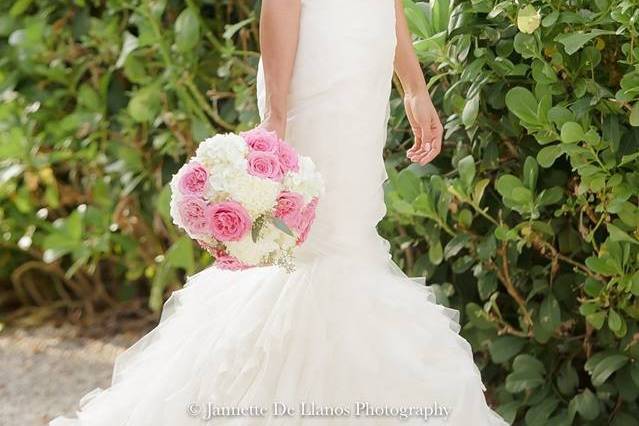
(248, 199)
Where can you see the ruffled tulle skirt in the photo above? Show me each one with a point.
(338, 341)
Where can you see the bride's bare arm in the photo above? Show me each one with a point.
(279, 31)
(420, 111)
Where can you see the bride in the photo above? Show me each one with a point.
(346, 338)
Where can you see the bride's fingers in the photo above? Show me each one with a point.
(430, 156)
(416, 145)
(412, 151)
(427, 144)
(417, 153)
(436, 139)
(421, 157)
(422, 154)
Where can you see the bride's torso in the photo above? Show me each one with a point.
(340, 42)
(337, 115)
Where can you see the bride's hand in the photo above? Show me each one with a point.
(426, 127)
(277, 125)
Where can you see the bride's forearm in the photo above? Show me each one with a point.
(279, 32)
(406, 64)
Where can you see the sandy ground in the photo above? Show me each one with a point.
(45, 371)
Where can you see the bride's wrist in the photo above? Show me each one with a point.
(275, 117)
(416, 92)
(275, 107)
(415, 87)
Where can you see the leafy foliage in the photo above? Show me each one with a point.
(101, 102)
(530, 219)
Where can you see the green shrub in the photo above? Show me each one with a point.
(529, 220)
(100, 103)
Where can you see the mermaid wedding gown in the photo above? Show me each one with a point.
(345, 339)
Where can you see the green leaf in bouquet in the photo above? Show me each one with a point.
(256, 228)
(279, 224)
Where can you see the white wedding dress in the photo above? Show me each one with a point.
(347, 331)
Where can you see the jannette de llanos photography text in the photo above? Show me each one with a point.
(209, 410)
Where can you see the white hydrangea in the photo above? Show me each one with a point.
(307, 181)
(221, 179)
(226, 148)
(249, 252)
(175, 198)
(257, 195)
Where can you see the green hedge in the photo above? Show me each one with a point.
(102, 101)
(527, 222)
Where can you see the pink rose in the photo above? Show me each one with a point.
(226, 261)
(265, 165)
(308, 217)
(229, 221)
(289, 160)
(193, 179)
(260, 139)
(193, 212)
(289, 208)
